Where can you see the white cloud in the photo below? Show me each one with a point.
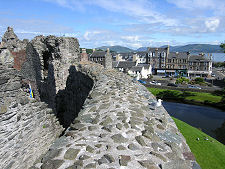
(130, 38)
(216, 5)
(142, 10)
(212, 24)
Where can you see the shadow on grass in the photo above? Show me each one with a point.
(174, 95)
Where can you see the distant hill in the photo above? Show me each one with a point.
(119, 49)
(193, 48)
(141, 49)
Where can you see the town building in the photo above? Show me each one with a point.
(140, 57)
(83, 55)
(123, 66)
(177, 64)
(102, 57)
(140, 71)
(157, 57)
(199, 66)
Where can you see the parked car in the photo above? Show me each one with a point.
(155, 83)
(194, 87)
(172, 84)
(213, 75)
(142, 81)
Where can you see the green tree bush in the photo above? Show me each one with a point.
(222, 45)
(182, 80)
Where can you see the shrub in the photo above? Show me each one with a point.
(168, 94)
(182, 80)
(199, 80)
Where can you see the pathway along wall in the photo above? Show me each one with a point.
(116, 129)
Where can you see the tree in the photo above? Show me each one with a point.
(223, 46)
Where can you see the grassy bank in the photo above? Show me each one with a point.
(188, 97)
(210, 153)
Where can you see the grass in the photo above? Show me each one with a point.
(188, 96)
(209, 154)
(202, 97)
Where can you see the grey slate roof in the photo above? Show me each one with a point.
(123, 64)
(146, 66)
(198, 58)
(114, 64)
(136, 68)
(178, 55)
(98, 54)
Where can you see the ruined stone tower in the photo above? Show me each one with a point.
(108, 60)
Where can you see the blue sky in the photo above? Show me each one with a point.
(130, 23)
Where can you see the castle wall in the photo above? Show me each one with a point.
(27, 126)
(109, 118)
(116, 128)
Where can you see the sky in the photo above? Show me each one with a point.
(129, 23)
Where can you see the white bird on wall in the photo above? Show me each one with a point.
(155, 104)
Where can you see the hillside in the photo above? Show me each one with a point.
(119, 49)
(193, 48)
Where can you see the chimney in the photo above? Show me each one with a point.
(118, 57)
(168, 50)
(135, 57)
(84, 56)
(211, 58)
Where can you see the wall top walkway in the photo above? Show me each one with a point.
(117, 128)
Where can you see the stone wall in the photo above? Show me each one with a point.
(110, 123)
(118, 129)
(27, 127)
(48, 62)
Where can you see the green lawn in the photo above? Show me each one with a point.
(210, 154)
(204, 97)
(179, 95)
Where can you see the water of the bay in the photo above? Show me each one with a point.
(216, 57)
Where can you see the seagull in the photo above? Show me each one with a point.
(155, 104)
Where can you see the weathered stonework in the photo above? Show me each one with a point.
(110, 123)
(108, 60)
(117, 129)
(11, 41)
(27, 126)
